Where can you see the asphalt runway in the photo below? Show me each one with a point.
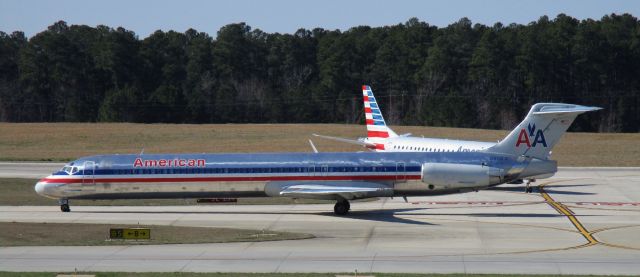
(31, 170)
(581, 221)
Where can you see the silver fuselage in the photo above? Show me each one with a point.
(256, 174)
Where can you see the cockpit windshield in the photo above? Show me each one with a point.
(70, 169)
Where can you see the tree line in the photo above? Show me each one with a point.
(461, 75)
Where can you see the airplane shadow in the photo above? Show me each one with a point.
(548, 189)
(564, 192)
(569, 185)
(387, 215)
(381, 216)
(371, 215)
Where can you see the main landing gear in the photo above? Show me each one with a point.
(342, 207)
(64, 205)
(527, 187)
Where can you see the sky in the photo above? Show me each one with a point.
(286, 16)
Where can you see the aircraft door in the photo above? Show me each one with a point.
(401, 174)
(324, 170)
(88, 176)
(312, 170)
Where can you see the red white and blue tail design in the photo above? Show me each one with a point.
(376, 127)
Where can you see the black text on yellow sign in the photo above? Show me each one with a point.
(130, 233)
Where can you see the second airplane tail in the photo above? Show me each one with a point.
(376, 126)
(543, 127)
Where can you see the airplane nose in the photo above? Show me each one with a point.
(40, 186)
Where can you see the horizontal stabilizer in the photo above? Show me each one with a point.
(564, 109)
(352, 141)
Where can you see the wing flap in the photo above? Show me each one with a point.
(336, 191)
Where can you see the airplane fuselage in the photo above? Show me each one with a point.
(268, 174)
(419, 144)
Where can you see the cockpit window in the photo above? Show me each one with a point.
(70, 169)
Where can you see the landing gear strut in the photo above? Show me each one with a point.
(64, 205)
(527, 187)
(342, 207)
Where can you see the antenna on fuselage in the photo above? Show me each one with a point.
(141, 151)
(315, 150)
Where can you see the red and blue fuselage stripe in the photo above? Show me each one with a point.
(153, 179)
(153, 175)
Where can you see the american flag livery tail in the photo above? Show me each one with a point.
(377, 129)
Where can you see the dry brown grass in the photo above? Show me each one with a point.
(43, 234)
(68, 141)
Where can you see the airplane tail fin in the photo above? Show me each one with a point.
(541, 129)
(376, 126)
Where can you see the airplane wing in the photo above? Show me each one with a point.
(352, 141)
(332, 191)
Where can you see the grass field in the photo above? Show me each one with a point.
(63, 234)
(68, 141)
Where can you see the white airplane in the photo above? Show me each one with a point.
(380, 138)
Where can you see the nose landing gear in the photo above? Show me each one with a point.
(527, 187)
(64, 205)
(342, 207)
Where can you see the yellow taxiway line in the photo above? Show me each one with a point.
(561, 208)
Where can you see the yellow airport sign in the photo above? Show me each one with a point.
(130, 233)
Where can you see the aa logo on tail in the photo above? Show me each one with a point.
(526, 134)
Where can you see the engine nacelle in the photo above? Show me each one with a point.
(449, 176)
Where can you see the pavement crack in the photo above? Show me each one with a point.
(197, 257)
(281, 262)
(177, 220)
(367, 238)
(373, 261)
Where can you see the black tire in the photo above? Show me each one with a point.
(65, 208)
(341, 208)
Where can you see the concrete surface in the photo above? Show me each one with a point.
(589, 224)
(31, 170)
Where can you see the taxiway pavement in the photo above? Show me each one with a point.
(581, 221)
(31, 170)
